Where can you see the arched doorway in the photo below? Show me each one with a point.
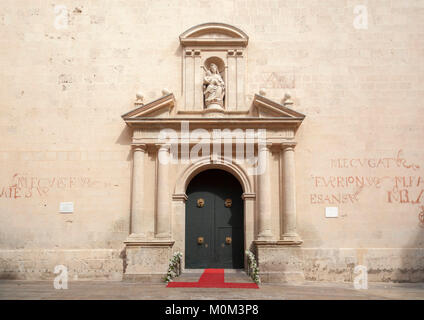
(214, 221)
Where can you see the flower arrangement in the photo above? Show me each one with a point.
(174, 268)
(253, 270)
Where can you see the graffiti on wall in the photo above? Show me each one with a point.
(277, 80)
(398, 161)
(346, 189)
(23, 186)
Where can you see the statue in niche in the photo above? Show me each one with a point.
(214, 88)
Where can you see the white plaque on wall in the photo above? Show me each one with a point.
(66, 207)
(331, 212)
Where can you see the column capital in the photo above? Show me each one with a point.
(288, 146)
(265, 146)
(163, 146)
(139, 147)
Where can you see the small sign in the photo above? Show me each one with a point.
(66, 207)
(331, 212)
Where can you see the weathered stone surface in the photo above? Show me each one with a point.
(70, 71)
(147, 260)
(105, 264)
(316, 264)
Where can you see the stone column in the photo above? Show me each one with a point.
(178, 222)
(163, 209)
(264, 193)
(231, 82)
(198, 81)
(189, 79)
(289, 195)
(137, 198)
(240, 79)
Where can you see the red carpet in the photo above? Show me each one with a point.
(212, 278)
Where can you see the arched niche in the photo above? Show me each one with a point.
(220, 42)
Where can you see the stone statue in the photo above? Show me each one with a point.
(214, 88)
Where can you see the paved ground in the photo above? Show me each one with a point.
(13, 289)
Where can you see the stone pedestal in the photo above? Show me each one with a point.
(279, 262)
(214, 111)
(147, 260)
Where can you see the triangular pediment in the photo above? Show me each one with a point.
(266, 108)
(158, 108)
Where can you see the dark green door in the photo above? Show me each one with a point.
(214, 214)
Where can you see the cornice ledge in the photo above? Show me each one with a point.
(248, 196)
(179, 197)
(215, 120)
(134, 242)
(277, 243)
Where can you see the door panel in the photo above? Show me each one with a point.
(228, 255)
(199, 255)
(214, 221)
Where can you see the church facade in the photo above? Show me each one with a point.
(251, 135)
(213, 130)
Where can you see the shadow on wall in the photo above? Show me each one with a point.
(412, 259)
(124, 139)
(125, 136)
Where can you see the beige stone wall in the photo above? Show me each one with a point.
(62, 92)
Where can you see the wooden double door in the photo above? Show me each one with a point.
(214, 221)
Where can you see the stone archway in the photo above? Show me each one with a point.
(157, 220)
(214, 234)
(179, 198)
(206, 163)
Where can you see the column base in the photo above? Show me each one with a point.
(277, 243)
(291, 238)
(163, 236)
(136, 237)
(265, 235)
